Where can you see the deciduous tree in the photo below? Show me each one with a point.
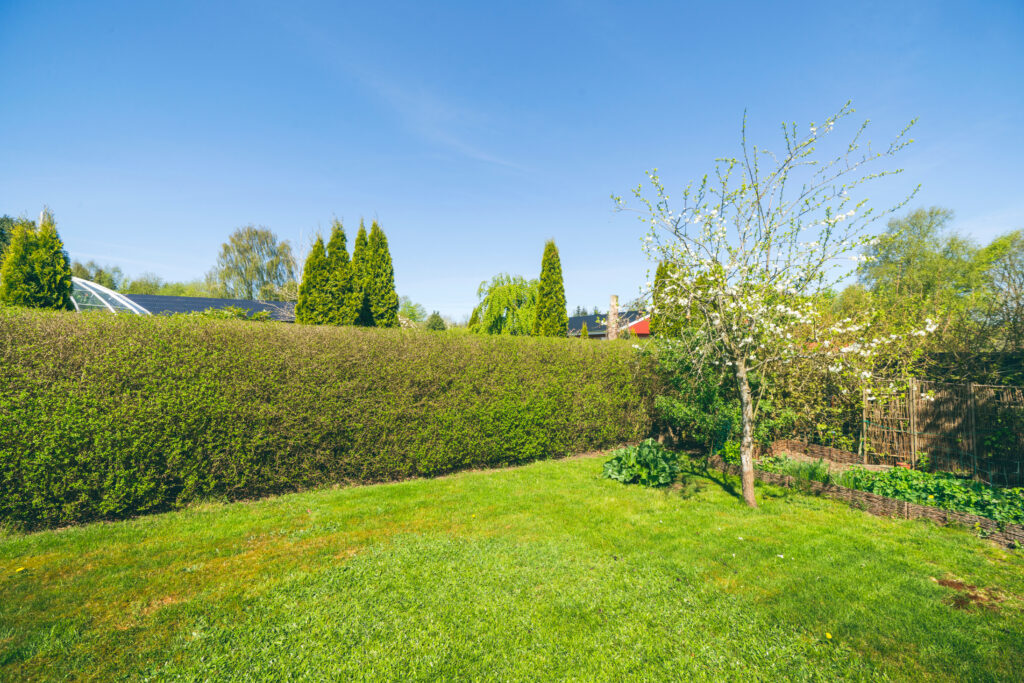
(752, 247)
(252, 264)
(508, 305)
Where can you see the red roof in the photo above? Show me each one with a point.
(641, 327)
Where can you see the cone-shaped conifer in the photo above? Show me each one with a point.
(552, 319)
(360, 254)
(435, 323)
(380, 280)
(36, 270)
(314, 288)
(584, 332)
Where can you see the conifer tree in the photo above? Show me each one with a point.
(584, 332)
(360, 254)
(380, 280)
(552, 319)
(36, 271)
(435, 323)
(313, 291)
(344, 296)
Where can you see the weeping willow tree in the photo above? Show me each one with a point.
(508, 305)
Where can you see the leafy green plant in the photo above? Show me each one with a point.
(938, 489)
(942, 490)
(805, 471)
(647, 464)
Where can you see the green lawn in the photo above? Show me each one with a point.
(539, 572)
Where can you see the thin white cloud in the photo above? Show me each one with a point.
(433, 119)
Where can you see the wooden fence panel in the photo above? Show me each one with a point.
(968, 429)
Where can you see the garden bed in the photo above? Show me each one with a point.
(883, 506)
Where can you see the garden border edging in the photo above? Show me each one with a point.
(883, 506)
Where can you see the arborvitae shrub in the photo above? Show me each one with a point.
(380, 279)
(103, 417)
(435, 323)
(36, 270)
(552, 319)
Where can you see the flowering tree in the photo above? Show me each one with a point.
(752, 250)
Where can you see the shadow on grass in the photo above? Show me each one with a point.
(691, 485)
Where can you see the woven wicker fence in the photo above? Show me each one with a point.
(1008, 535)
(970, 429)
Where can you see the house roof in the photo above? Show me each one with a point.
(596, 323)
(161, 304)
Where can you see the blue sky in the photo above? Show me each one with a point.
(474, 131)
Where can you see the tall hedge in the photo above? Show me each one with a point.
(102, 417)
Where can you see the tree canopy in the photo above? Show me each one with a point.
(253, 264)
(752, 246)
(111, 277)
(508, 305)
(435, 323)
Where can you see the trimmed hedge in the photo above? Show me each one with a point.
(103, 417)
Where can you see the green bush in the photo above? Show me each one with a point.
(108, 416)
(648, 464)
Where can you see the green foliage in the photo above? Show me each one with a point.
(584, 332)
(411, 311)
(252, 264)
(508, 306)
(807, 471)
(36, 271)
(647, 464)
(435, 323)
(380, 280)
(149, 283)
(940, 489)
(665, 314)
(315, 288)
(551, 319)
(112, 416)
(7, 225)
(344, 298)
(233, 313)
(110, 277)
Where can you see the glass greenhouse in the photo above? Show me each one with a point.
(89, 296)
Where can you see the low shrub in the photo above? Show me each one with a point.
(104, 416)
(647, 464)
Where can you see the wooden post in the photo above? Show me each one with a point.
(864, 424)
(612, 324)
(974, 431)
(912, 407)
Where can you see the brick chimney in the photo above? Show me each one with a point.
(613, 317)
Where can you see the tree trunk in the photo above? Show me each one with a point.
(747, 441)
